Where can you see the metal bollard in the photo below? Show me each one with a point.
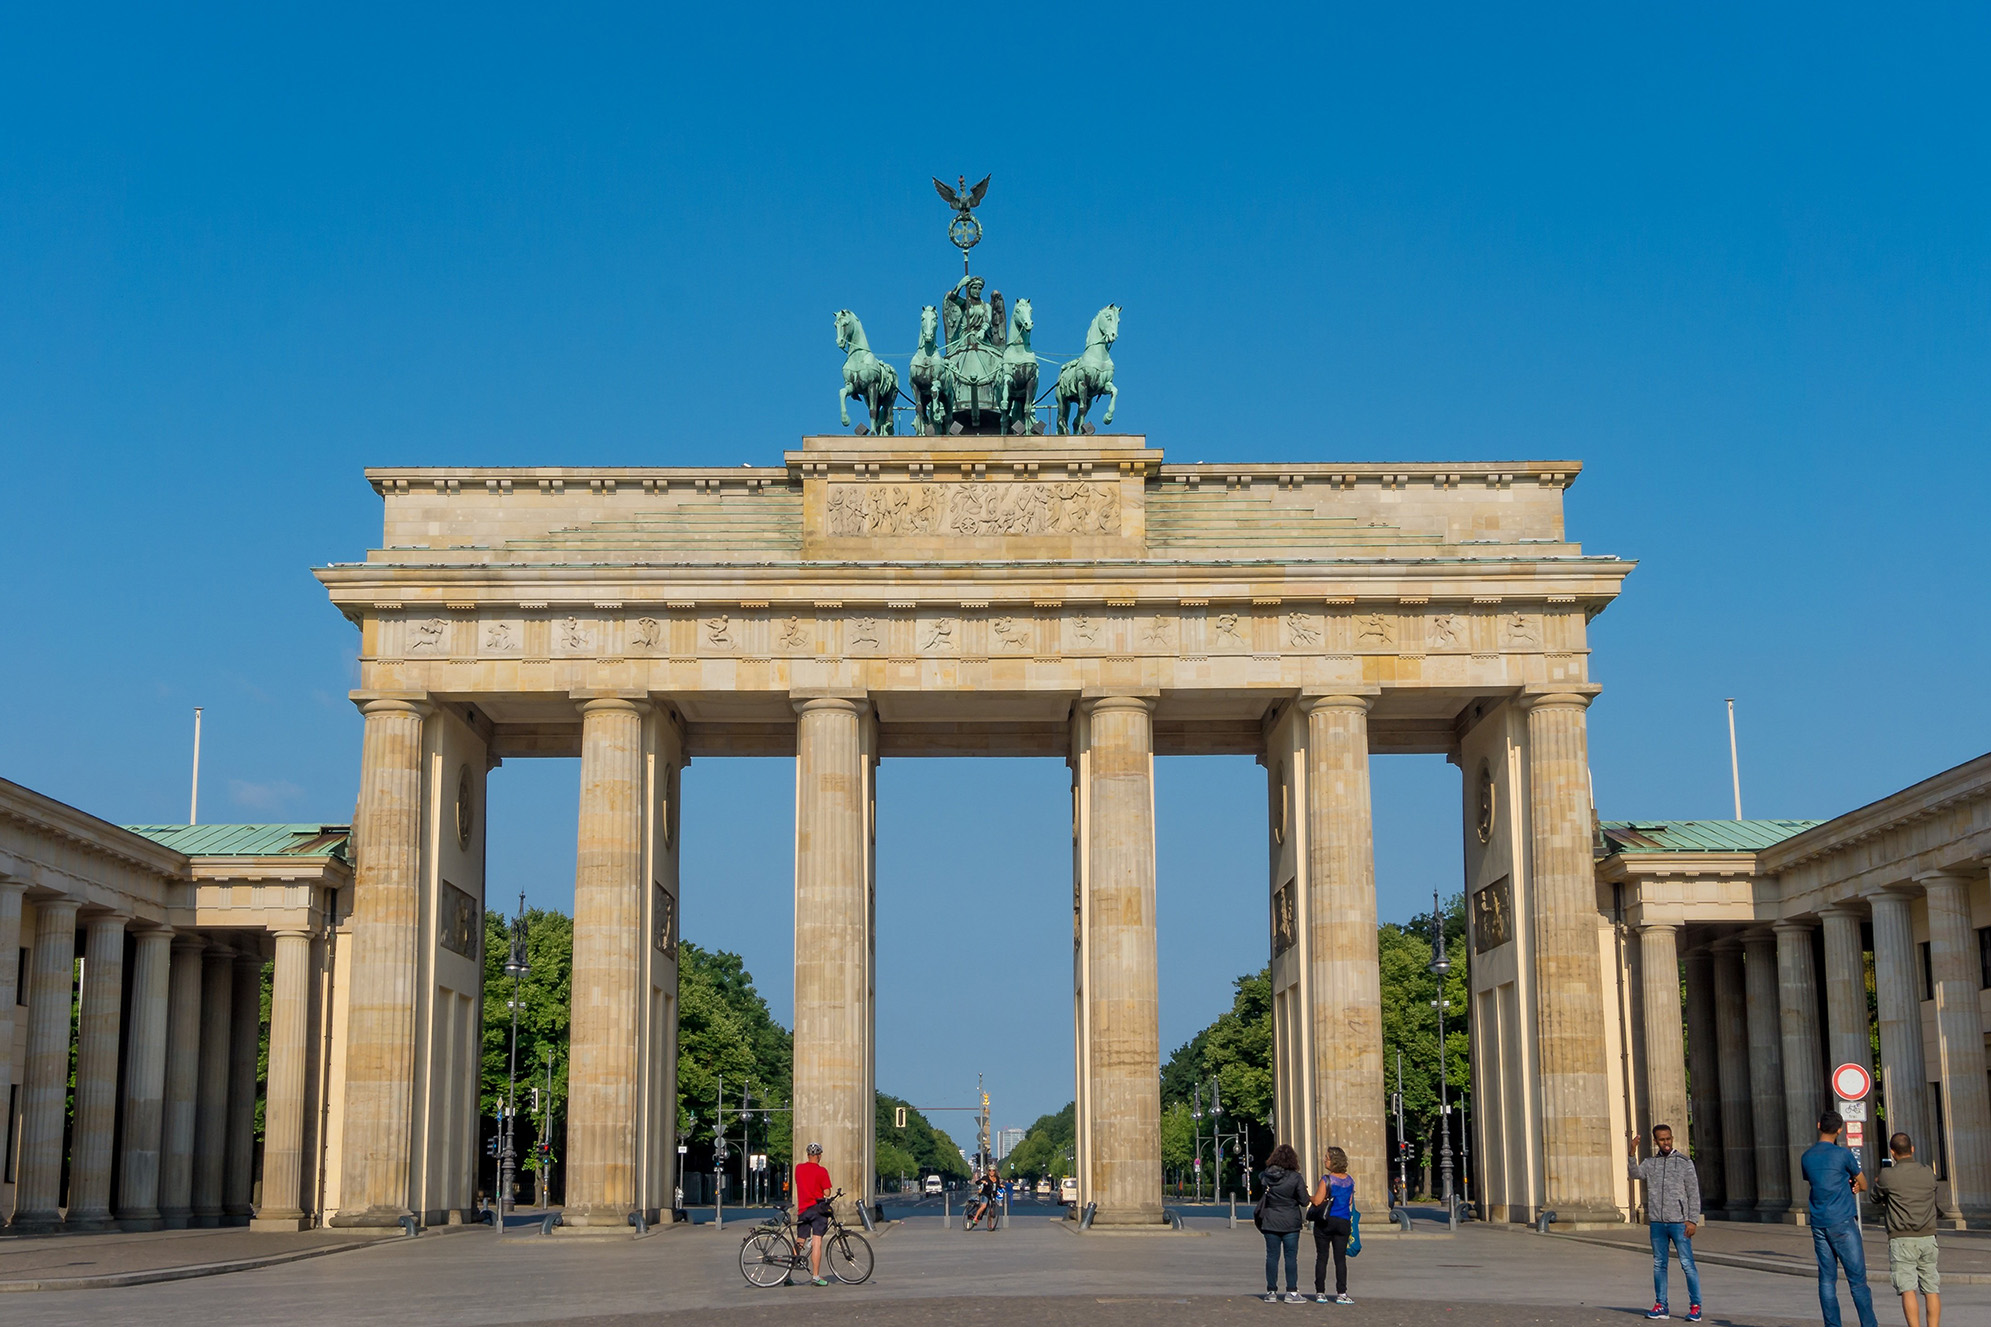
(1233, 1210)
(1085, 1219)
(864, 1215)
(1544, 1221)
(1401, 1215)
(408, 1224)
(718, 1208)
(547, 1222)
(946, 1210)
(636, 1220)
(1005, 1213)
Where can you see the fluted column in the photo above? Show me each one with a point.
(1704, 1063)
(1120, 964)
(1579, 1155)
(1954, 963)
(1346, 995)
(1850, 1036)
(1897, 992)
(238, 1185)
(176, 1142)
(94, 1135)
(380, 1041)
(51, 983)
(144, 1082)
(1738, 1125)
(11, 892)
(607, 983)
(1665, 1049)
(217, 1008)
(1766, 1079)
(1797, 1016)
(834, 1100)
(282, 1207)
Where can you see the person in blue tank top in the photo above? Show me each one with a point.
(1333, 1211)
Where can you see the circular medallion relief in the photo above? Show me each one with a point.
(1282, 803)
(1484, 827)
(465, 812)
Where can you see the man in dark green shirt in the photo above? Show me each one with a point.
(1906, 1191)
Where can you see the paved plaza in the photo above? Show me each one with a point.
(1039, 1272)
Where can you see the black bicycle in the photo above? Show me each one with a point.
(773, 1253)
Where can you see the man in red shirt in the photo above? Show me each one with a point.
(812, 1189)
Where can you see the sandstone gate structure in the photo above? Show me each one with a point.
(1072, 597)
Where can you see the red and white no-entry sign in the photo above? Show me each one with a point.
(1852, 1082)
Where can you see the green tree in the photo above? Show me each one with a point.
(545, 1005)
(917, 1150)
(1178, 1137)
(1044, 1151)
(1410, 1024)
(726, 1032)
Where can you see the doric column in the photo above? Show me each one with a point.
(217, 1008)
(1704, 1060)
(1738, 1125)
(380, 1009)
(834, 1098)
(238, 1184)
(51, 983)
(607, 986)
(145, 1081)
(1954, 963)
(1766, 1079)
(11, 892)
(94, 1135)
(282, 1207)
(1346, 995)
(1797, 1015)
(1897, 992)
(176, 1143)
(1665, 1050)
(1850, 1038)
(1120, 962)
(1578, 1153)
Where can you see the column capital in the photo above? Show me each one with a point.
(836, 702)
(1792, 926)
(1111, 704)
(1558, 695)
(107, 917)
(1944, 879)
(1899, 892)
(1340, 698)
(1759, 936)
(295, 932)
(188, 940)
(58, 903)
(1726, 944)
(414, 703)
(1843, 908)
(1645, 926)
(10, 885)
(611, 702)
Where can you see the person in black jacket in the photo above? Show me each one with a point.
(1281, 1213)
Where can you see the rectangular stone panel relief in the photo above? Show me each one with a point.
(646, 636)
(937, 633)
(1012, 633)
(1493, 915)
(575, 637)
(886, 510)
(1228, 629)
(1285, 917)
(459, 921)
(792, 634)
(425, 636)
(866, 633)
(664, 912)
(1447, 632)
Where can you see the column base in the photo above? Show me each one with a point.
(89, 1223)
(36, 1223)
(175, 1218)
(1130, 1216)
(1579, 1214)
(369, 1218)
(141, 1221)
(600, 1216)
(288, 1222)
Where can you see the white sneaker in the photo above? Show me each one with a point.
(1323, 1298)
(1270, 1297)
(1343, 1299)
(1295, 1297)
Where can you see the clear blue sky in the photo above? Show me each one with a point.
(1733, 259)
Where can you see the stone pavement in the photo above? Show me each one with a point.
(1038, 1272)
(92, 1261)
(1966, 1255)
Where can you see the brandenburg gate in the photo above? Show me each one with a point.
(967, 594)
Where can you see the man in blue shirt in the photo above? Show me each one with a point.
(1834, 1173)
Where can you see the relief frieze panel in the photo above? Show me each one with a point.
(972, 510)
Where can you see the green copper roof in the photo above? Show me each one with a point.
(249, 840)
(1699, 835)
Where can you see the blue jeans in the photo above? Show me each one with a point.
(1839, 1246)
(1666, 1236)
(1289, 1240)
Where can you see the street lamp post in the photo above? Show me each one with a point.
(1196, 1114)
(1216, 1140)
(516, 968)
(1441, 964)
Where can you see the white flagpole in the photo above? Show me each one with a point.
(1734, 766)
(193, 803)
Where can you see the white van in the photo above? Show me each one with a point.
(1068, 1190)
(932, 1185)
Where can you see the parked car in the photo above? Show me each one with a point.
(1068, 1191)
(933, 1185)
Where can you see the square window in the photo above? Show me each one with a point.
(1928, 972)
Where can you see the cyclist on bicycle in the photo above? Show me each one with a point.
(812, 1218)
(986, 1192)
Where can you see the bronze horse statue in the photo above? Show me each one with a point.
(865, 376)
(1085, 379)
(1019, 372)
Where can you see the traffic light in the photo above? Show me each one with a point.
(491, 1146)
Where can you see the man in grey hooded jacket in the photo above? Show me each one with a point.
(1672, 1214)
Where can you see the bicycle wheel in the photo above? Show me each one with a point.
(766, 1258)
(849, 1257)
